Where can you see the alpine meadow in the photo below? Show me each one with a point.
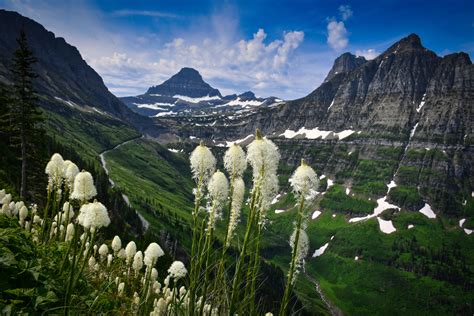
(330, 173)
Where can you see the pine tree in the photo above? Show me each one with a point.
(5, 119)
(25, 113)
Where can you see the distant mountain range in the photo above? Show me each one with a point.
(406, 86)
(186, 93)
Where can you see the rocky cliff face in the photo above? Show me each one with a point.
(63, 76)
(345, 63)
(405, 86)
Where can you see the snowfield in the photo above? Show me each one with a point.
(386, 226)
(315, 133)
(427, 211)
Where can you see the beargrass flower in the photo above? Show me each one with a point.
(177, 270)
(70, 231)
(152, 253)
(68, 212)
(263, 157)
(23, 213)
(110, 257)
(70, 172)
(121, 254)
(91, 262)
(218, 188)
(120, 288)
(235, 161)
(130, 251)
(304, 181)
(6, 199)
(116, 244)
(55, 171)
(137, 261)
(6, 209)
(154, 274)
(301, 249)
(84, 188)
(103, 250)
(203, 163)
(93, 215)
(236, 206)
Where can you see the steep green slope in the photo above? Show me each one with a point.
(406, 270)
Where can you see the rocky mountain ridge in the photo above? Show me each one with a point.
(63, 75)
(187, 94)
(389, 95)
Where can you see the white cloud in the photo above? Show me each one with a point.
(150, 13)
(367, 53)
(337, 35)
(345, 11)
(254, 63)
(132, 58)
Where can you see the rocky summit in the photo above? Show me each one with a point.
(187, 82)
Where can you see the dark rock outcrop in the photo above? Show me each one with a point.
(344, 63)
(187, 82)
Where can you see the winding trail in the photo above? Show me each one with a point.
(103, 162)
(333, 309)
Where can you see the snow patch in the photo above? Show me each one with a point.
(315, 214)
(196, 100)
(422, 103)
(333, 215)
(413, 130)
(315, 133)
(238, 141)
(468, 231)
(153, 106)
(330, 183)
(382, 205)
(164, 114)
(332, 103)
(318, 252)
(70, 103)
(410, 226)
(239, 101)
(427, 211)
(275, 199)
(391, 185)
(279, 211)
(173, 150)
(386, 226)
(461, 222)
(356, 258)
(99, 111)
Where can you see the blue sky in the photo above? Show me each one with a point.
(282, 48)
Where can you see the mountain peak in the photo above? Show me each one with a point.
(247, 95)
(411, 42)
(344, 63)
(190, 73)
(187, 82)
